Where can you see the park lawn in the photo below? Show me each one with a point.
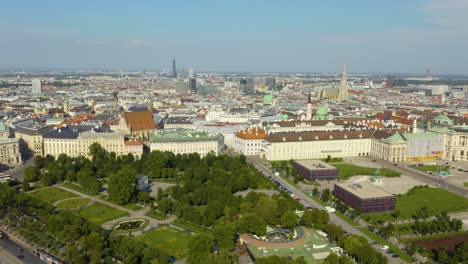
(437, 200)
(430, 168)
(167, 240)
(346, 171)
(73, 203)
(99, 213)
(52, 194)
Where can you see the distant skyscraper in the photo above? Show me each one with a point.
(174, 70)
(36, 87)
(190, 73)
(193, 84)
(246, 86)
(270, 82)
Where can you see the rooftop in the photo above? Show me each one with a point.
(170, 135)
(364, 190)
(139, 120)
(314, 164)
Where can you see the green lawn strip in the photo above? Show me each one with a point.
(190, 226)
(391, 246)
(318, 200)
(79, 188)
(52, 194)
(436, 199)
(346, 171)
(465, 184)
(430, 168)
(73, 203)
(167, 240)
(333, 160)
(157, 215)
(99, 213)
(314, 183)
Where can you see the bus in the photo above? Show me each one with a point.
(46, 257)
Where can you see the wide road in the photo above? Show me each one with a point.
(307, 201)
(425, 177)
(18, 172)
(14, 250)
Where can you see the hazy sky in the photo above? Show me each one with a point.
(236, 35)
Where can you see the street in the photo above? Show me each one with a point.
(424, 177)
(307, 201)
(14, 249)
(18, 172)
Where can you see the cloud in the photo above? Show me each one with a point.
(137, 43)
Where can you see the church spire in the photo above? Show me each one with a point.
(343, 91)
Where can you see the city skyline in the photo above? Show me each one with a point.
(236, 37)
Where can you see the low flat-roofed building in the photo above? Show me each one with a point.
(184, 141)
(367, 197)
(314, 170)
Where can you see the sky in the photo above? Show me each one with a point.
(386, 36)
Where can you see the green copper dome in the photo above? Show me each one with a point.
(285, 117)
(268, 99)
(321, 111)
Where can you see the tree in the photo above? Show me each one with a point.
(31, 173)
(315, 191)
(223, 234)
(122, 185)
(289, 219)
(26, 186)
(335, 232)
(199, 248)
(251, 223)
(332, 259)
(326, 195)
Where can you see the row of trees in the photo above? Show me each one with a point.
(67, 235)
(442, 223)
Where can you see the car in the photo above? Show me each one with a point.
(384, 247)
(298, 199)
(395, 255)
(374, 161)
(20, 250)
(394, 164)
(374, 243)
(20, 256)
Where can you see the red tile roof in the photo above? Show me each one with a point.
(139, 120)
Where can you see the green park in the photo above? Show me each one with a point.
(52, 194)
(99, 213)
(167, 240)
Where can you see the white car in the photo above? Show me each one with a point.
(384, 247)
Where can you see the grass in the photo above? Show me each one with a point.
(465, 184)
(79, 188)
(391, 246)
(52, 194)
(73, 203)
(167, 240)
(430, 168)
(313, 183)
(437, 200)
(346, 171)
(99, 213)
(157, 215)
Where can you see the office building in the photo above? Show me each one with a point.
(9, 152)
(314, 170)
(174, 69)
(193, 84)
(270, 82)
(365, 197)
(36, 87)
(246, 86)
